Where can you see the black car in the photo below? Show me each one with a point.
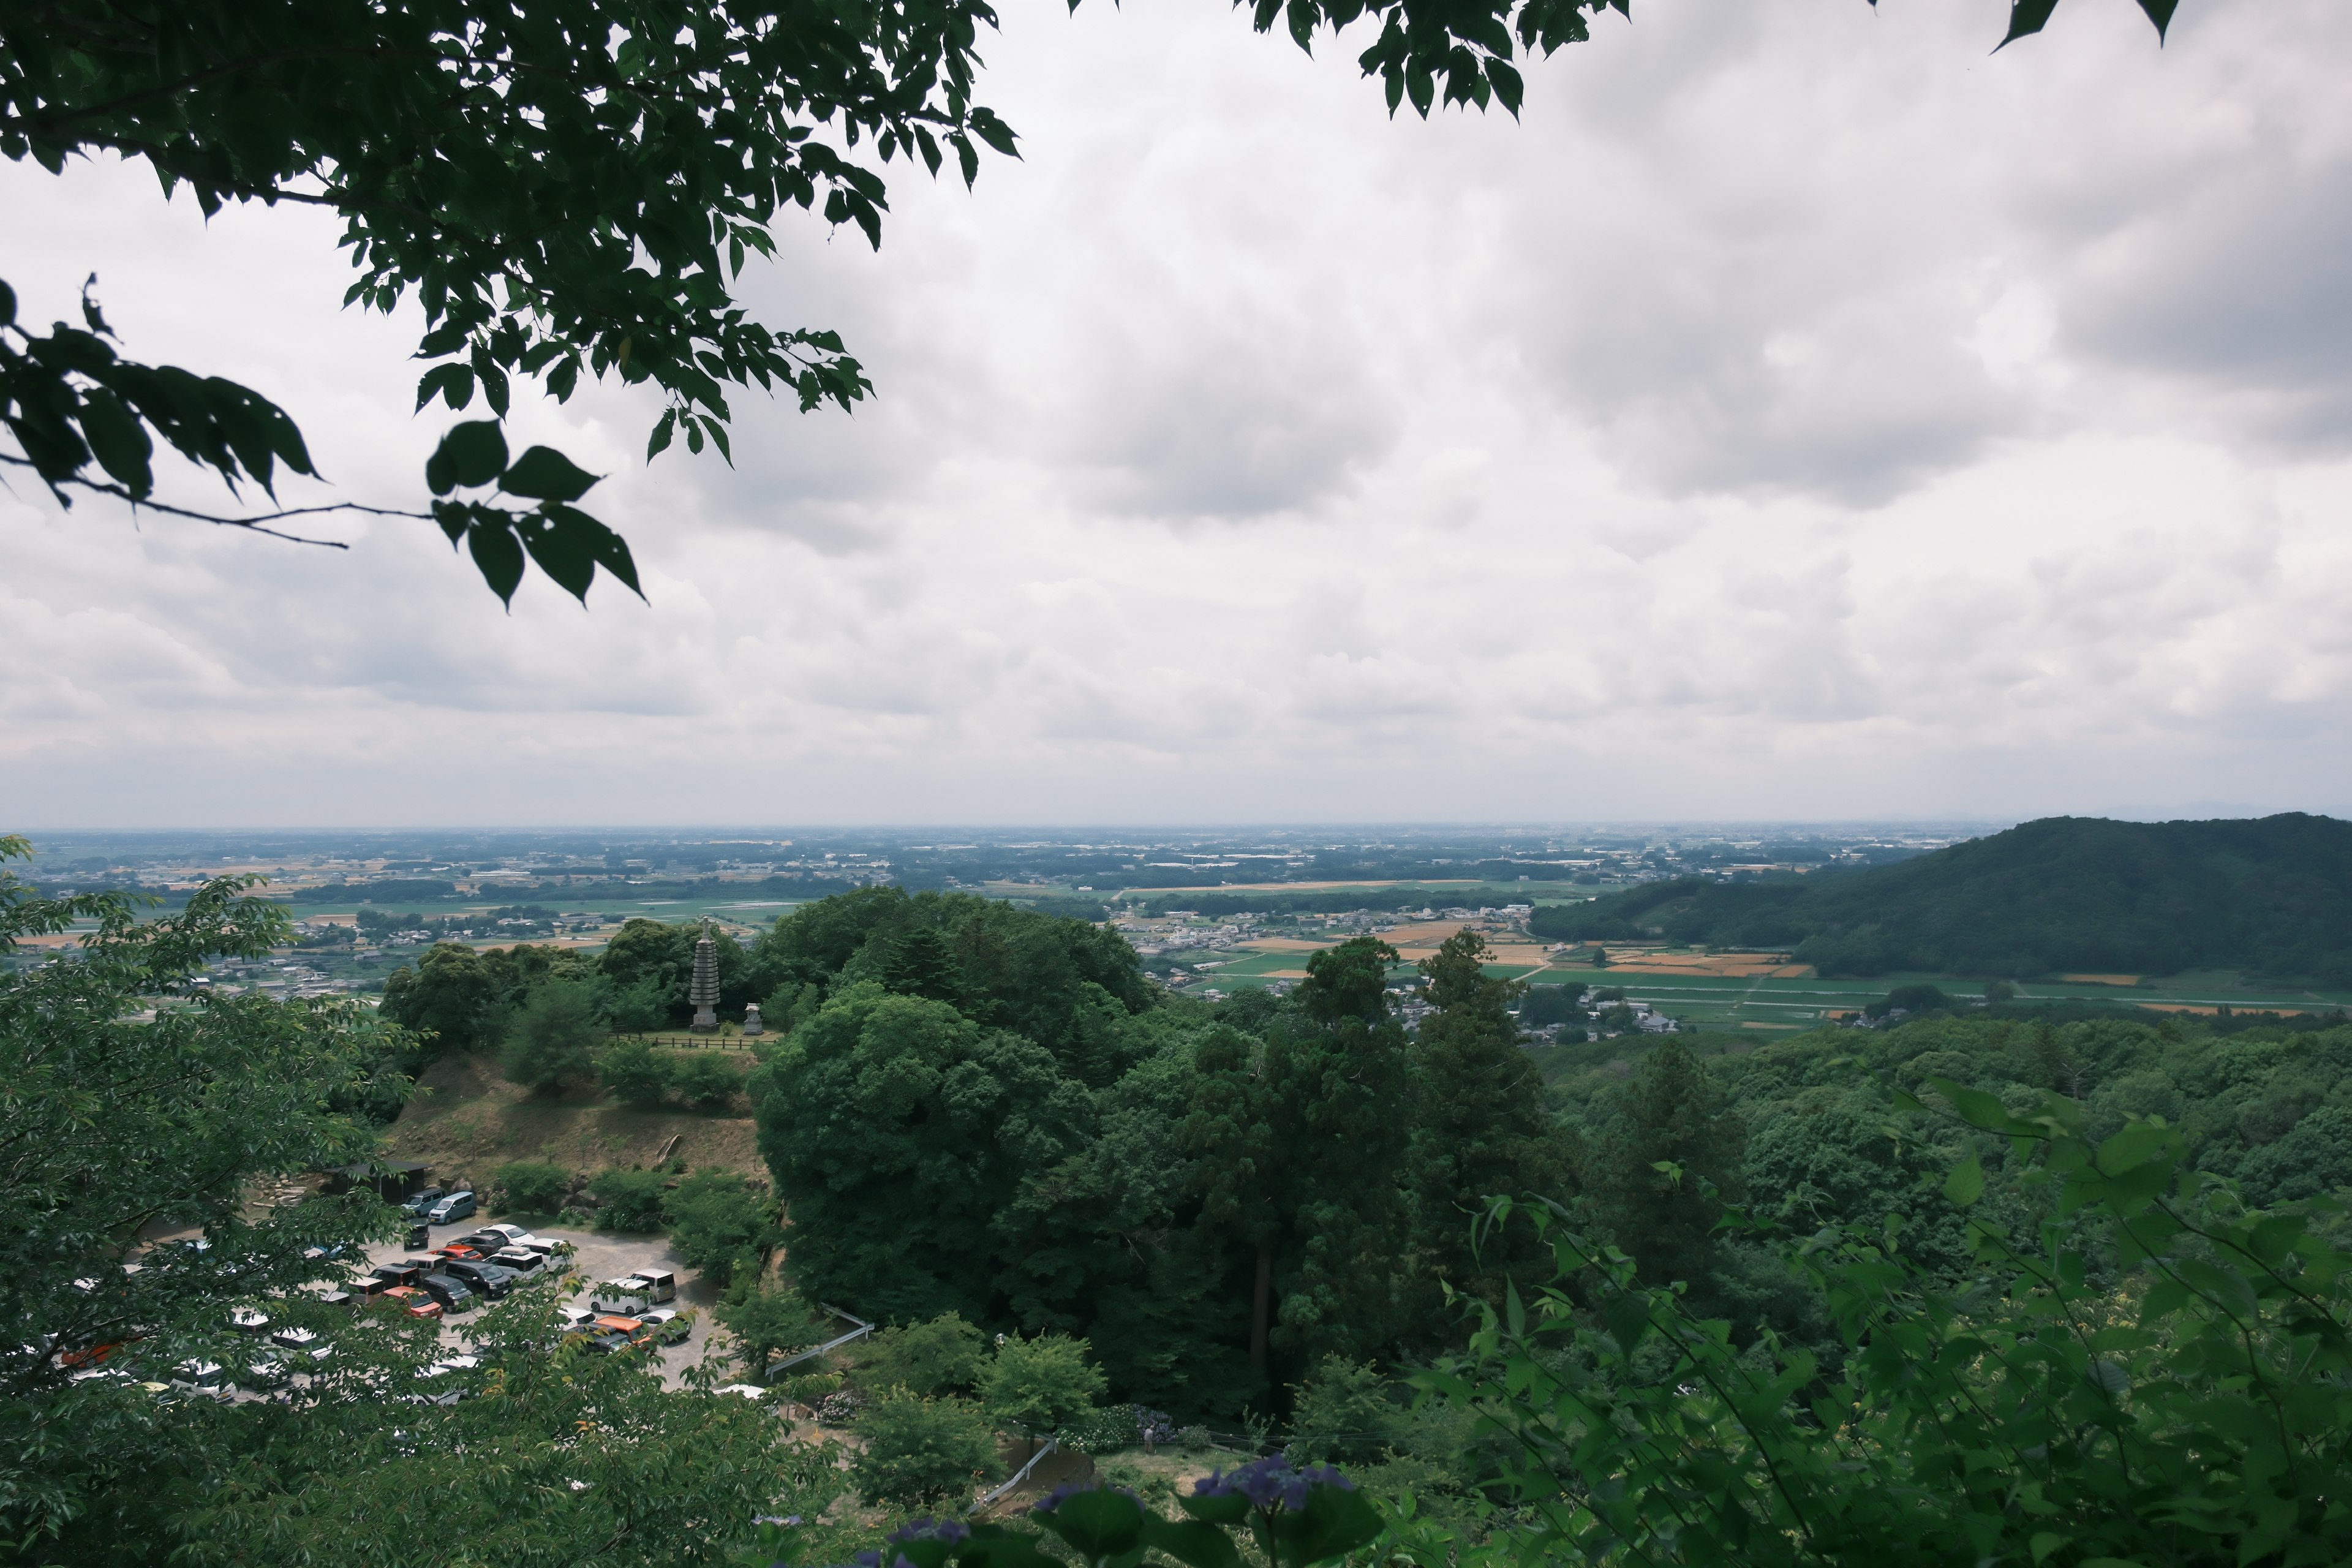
(451, 1293)
(398, 1273)
(486, 1278)
(420, 1236)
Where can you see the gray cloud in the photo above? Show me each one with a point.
(1797, 415)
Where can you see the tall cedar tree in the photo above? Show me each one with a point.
(1300, 1143)
(1482, 1130)
(1671, 1115)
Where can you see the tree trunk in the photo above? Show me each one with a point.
(1259, 1299)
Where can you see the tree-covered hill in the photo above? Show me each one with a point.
(2270, 896)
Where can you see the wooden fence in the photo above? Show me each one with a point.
(691, 1042)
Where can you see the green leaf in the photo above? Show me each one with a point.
(1191, 1541)
(542, 473)
(2160, 13)
(562, 547)
(2025, 17)
(498, 553)
(1097, 1524)
(118, 439)
(1335, 1521)
(1222, 1510)
(7, 305)
(475, 452)
(1966, 1184)
(661, 439)
(453, 382)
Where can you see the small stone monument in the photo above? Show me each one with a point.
(702, 996)
(752, 1025)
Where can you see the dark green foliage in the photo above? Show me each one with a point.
(1657, 1176)
(1546, 1005)
(637, 1009)
(2138, 1371)
(898, 1132)
(648, 960)
(920, 1452)
(115, 1125)
(636, 1073)
(553, 1038)
(1299, 1145)
(464, 999)
(767, 1322)
(718, 1221)
(1345, 1411)
(2311, 1160)
(1039, 1385)
(706, 1081)
(1482, 1130)
(531, 1186)
(2064, 894)
(942, 1356)
(629, 1200)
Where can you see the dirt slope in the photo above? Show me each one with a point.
(467, 1119)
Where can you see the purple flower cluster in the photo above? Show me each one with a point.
(1272, 1482)
(927, 1529)
(1062, 1494)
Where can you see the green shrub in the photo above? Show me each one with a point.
(942, 1356)
(553, 1038)
(637, 1009)
(920, 1452)
(635, 1073)
(1039, 1385)
(1103, 1431)
(1344, 1411)
(531, 1186)
(707, 1080)
(2143, 1372)
(717, 1219)
(632, 1200)
(767, 1323)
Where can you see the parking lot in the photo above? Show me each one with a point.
(599, 1257)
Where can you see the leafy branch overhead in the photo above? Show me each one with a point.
(564, 186)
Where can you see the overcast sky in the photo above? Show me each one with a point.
(1799, 413)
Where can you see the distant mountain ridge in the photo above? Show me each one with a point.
(2062, 895)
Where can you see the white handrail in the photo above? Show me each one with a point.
(1020, 1474)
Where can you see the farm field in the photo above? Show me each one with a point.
(1763, 992)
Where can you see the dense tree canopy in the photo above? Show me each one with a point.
(2084, 894)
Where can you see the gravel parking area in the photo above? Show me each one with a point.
(602, 1257)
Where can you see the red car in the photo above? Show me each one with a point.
(408, 1298)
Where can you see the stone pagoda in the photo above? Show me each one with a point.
(702, 996)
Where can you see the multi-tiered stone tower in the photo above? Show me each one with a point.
(703, 994)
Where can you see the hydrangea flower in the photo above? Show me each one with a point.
(1272, 1482)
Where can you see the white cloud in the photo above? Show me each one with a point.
(1799, 413)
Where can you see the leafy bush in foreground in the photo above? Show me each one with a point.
(2151, 1376)
(920, 1451)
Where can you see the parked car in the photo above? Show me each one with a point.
(669, 1325)
(456, 1206)
(295, 1339)
(485, 1241)
(416, 1303)
(626, 1291)
(574, 1317)
(521, 1259)
(203, 1377)
(516, 1236)
(421, 1204)
(267, 1372)
(403, 1273)
(249, 1319)
(420, 1235)
(661, 1285)
(452, 1293)
(485, 1279)
(370, 1285)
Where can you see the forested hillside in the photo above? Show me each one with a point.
(2270, 897)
